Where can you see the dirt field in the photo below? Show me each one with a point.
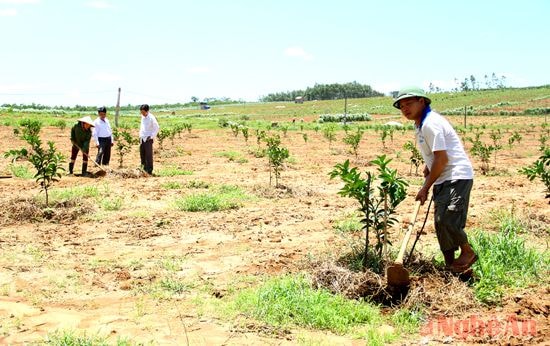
(91, 269)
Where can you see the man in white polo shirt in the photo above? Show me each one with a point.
(103, 137)
(448, 169)
(147, 132)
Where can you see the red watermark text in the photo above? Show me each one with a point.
(476, 326)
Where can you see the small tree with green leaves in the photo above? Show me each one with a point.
(378, 207)
(329, 132)
(481, 150)
(162, 135)
(245, 132)
(305, 137)
(415, 158)
(543, 138)
(123, 143)
(46, 161)
(187, 126)
(276, 155)
(515, 137)
(540, 169)
(353, 139)
(284, 129)
(235, 128)
(496, 136)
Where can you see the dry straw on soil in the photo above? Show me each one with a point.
(439, 292)
(28, 209)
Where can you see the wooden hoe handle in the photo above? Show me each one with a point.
(403, 247)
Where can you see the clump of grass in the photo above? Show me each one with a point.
(291, 301)
(21, 171)
(111, 204)
(69, 338)
(222, 198)
(172, 172)
(505, 262)
(348, 224)
(233, 156)
(172, 185)
(197, 184)
(73, 193)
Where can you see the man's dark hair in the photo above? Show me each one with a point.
(144, 107)
(102, 109)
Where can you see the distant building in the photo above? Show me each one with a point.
(299, 99)
(204, 105)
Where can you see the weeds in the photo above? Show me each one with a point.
(226, 197)
(290, 300)
(21, 171)
(232, 156)
(172, 171)
(112, 204)
(505, 263)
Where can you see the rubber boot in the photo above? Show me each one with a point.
(71, 166)
(85, 170)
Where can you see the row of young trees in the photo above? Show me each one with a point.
(325, 92)
(472, 83)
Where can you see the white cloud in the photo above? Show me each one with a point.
(10, 12)
(101, 5)
(105, 77)
(198, 70)
(298, 52)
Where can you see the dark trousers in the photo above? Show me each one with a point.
(74, 154)
(451, 209)
(104, 151)
(146, 155)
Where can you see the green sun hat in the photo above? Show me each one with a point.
(410, 92)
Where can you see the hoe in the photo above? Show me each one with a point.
(396, 274)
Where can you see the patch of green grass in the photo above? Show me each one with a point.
(291, 301)
(505, 263)
(233, 156)
(71, 338)
(171, 172)
(222, 198)
(172, 185)
(407, 321)
(72, 193)
(21, 171)
(174, 286)
(197, 184)
(111, 204)
(348, 224)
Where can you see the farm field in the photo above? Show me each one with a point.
(122, 258)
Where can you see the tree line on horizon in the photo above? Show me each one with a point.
(325, 92)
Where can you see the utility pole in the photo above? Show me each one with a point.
(117, 109)
(345, 107)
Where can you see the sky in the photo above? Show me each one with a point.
(79, 52)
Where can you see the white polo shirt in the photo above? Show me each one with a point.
(149, 127)
(436, 134)
(102, 128)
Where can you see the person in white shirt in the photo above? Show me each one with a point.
(147, 132)
(448, 169)
(103, 137)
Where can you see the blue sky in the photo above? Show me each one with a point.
(61, 52)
